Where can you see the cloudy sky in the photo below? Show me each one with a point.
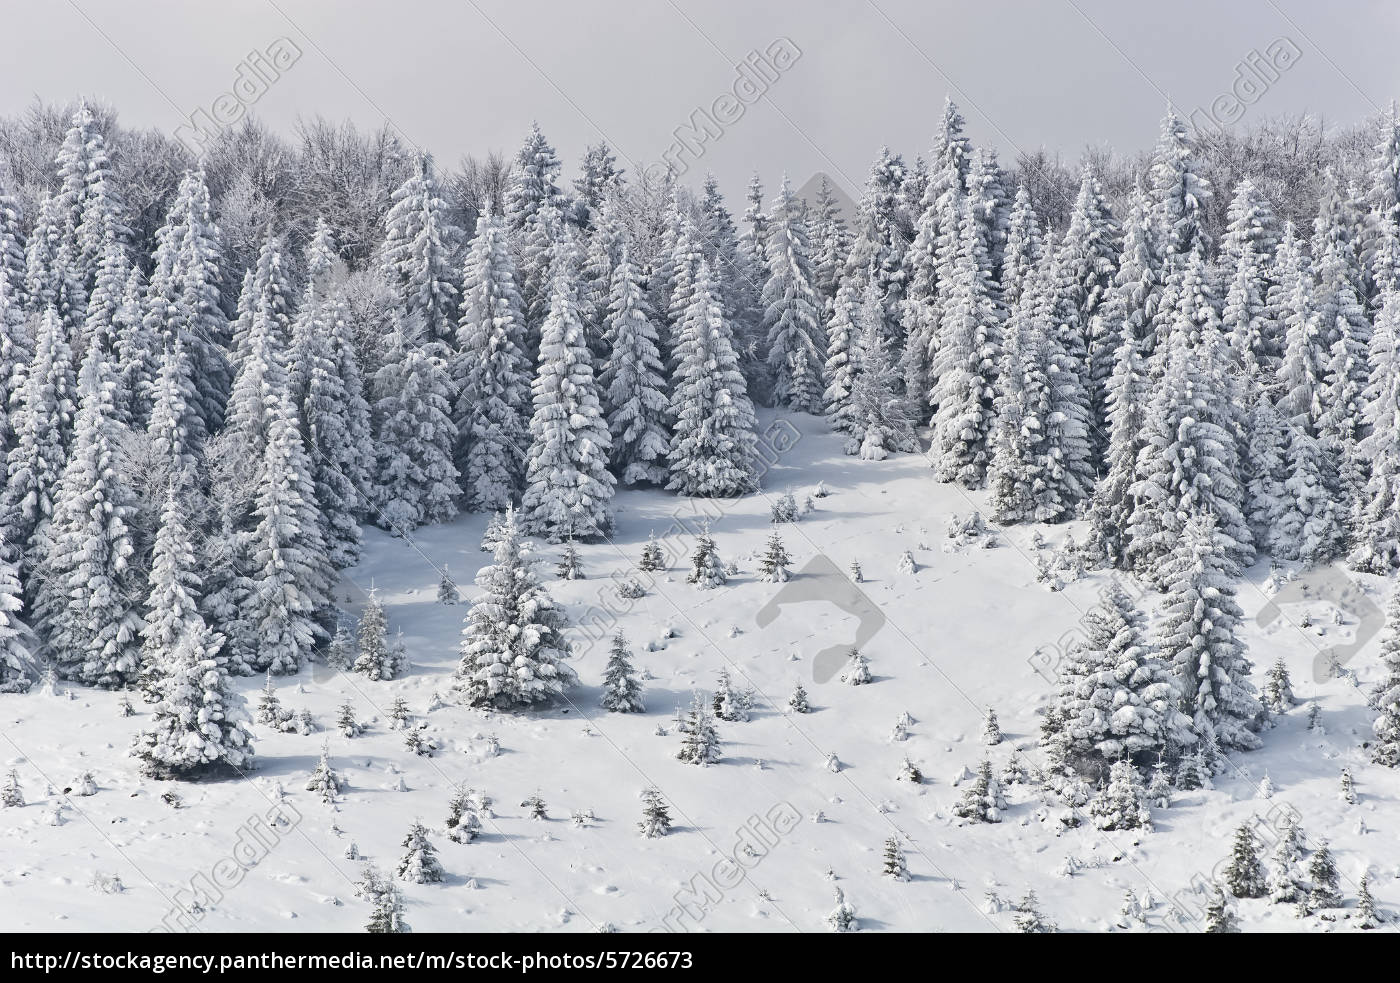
(466, 76)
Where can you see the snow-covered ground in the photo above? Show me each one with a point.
(958, 636)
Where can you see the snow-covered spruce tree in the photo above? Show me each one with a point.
(376, 658)
(632, 382)
(16, 347)
(1375, 521)
(419, 252)
(1342, 420)
(91, 209)
(1188, 463)
(740, 283)
(1088, 258)
(1311, 522)
(420, 864)
(50, 279)
(1278, 695)
(340, 650)
(175, 588)
(12, 263)
(1302, 374)
(568, 488)
(842, 356)
(706, 568)
(981, 801)
(1245, 316)
(699, 738)
(1199, 638)
(676, 275)
(182, 298)
(653, 557)
(1126, 404)
(964, 367)
(538, 236)
(1251, 224)
(287, 607)
(791, 311)
(880, 422)
(336, 423)
(773, 568)
(1180, 194)
(41, 418)
(136, 354)
(1326, 882)
(1022, 254)
(713, 444)
(1220, 917)
(260, 355)
(656, 818)
(622, 684)
(1386, 694)
(1264, 469)
(842, 918)
(513, 648)
(1014, 443)
(893, 864)
(105, 300)
(324, 780)
(991, 205)
(415, 480)
(199, 725)
(491, 374)
(17, 672)
(386, 915)
(1244, 875)
(447, 592)
(831, 241)
(1122, 802)
(798, 701)
(570, 564)
(88, 611)
(1117, 698)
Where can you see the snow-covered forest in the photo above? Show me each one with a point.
(534, 548)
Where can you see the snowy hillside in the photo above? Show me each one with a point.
(956, 638)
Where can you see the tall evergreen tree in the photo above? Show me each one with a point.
(713, 443)
(965, 366)
(842, 356)
(288, 605)
(568, 487)
(491, 375)
(419, 253)
(88, 613)
(880, 422)
(791, 312)
(16, 670)
(1376, 519)
(335, 422)
(1199, 637)
(513, 646)
(632, 383)
(182, 298)
(415, 481)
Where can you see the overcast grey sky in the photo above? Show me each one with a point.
(468, 76)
